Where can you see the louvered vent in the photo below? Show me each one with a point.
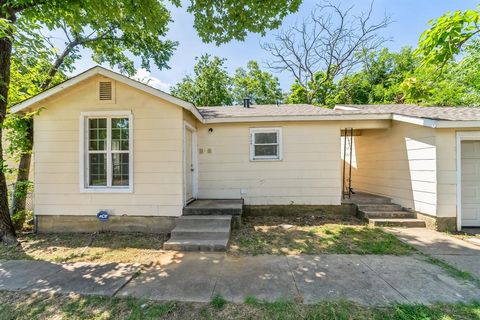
(105, 92)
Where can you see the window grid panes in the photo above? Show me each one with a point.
(108, 160)
(266, 144)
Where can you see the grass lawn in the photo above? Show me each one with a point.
(258, 235)
(17, 305)
(313, 235)
(88, 247)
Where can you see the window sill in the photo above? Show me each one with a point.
(265, 159)
(106, 190)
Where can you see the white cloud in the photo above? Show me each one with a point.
(145, 76)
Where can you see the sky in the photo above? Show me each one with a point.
(410, 18)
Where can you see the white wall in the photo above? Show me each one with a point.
(308, 174)
(158, 175)
(401, 163)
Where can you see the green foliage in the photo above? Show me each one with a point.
(29, 70)
(457, 85)
(210, 85)
(110, 29)
(19, 218)
(318, 91)
(447, 34)
(218, 302)
(380, 78)
(222, 21)
(259, 85)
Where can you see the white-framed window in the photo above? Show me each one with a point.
(106, 151)
(265, 144)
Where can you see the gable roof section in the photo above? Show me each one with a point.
(19, 107)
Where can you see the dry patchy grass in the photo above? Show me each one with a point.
(88, 247)
(258, 235)
(313, 235)
(46, 306)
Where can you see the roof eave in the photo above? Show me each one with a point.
(458, 124)
(339, 117)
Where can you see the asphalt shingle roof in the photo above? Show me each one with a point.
(284, 110)
(435, 113)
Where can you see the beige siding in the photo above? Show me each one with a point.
(308, 174)
(447, 171)
(401, 163)
(157, 127)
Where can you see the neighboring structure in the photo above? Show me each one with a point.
(106, 142)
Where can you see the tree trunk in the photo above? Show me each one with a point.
(22, 182)
(7, 231)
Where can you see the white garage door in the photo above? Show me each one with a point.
(471, 183)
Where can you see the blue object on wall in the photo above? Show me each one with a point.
(102, 215)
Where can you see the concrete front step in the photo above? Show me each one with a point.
(199, 222)
(388, 214)
(196, 244)
(403, 223)
(379, 207)
(214, 207)
(365, 198)
(200, 233)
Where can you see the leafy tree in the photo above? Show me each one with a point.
(318, 91)
(254, 83)
(457, 85)
(447, 35)
(379, 79)
(210, 85)
(124, 26)
(221, 21)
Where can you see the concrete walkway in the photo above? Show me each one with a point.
(197, 277)
(456, 252)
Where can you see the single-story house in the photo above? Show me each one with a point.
(105, 142)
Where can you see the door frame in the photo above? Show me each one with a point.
(187, 126)
(462, 136)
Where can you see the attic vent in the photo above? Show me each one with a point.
(105, 92)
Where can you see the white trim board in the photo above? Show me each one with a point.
(462, 136)
(278, 131)
(188, 126)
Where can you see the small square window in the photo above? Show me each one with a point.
(265, 144)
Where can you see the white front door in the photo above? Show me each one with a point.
(189, 168)
(470, 152)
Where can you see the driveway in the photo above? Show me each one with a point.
(457, 252)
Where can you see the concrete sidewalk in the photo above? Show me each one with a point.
(456, 252)
(197, 277)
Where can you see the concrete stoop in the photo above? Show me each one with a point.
(200, 233)
(381, 212)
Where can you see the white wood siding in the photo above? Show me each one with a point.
(401, 163)
(309, 172)
(158, 186)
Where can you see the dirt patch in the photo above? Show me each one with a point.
(88, 247)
